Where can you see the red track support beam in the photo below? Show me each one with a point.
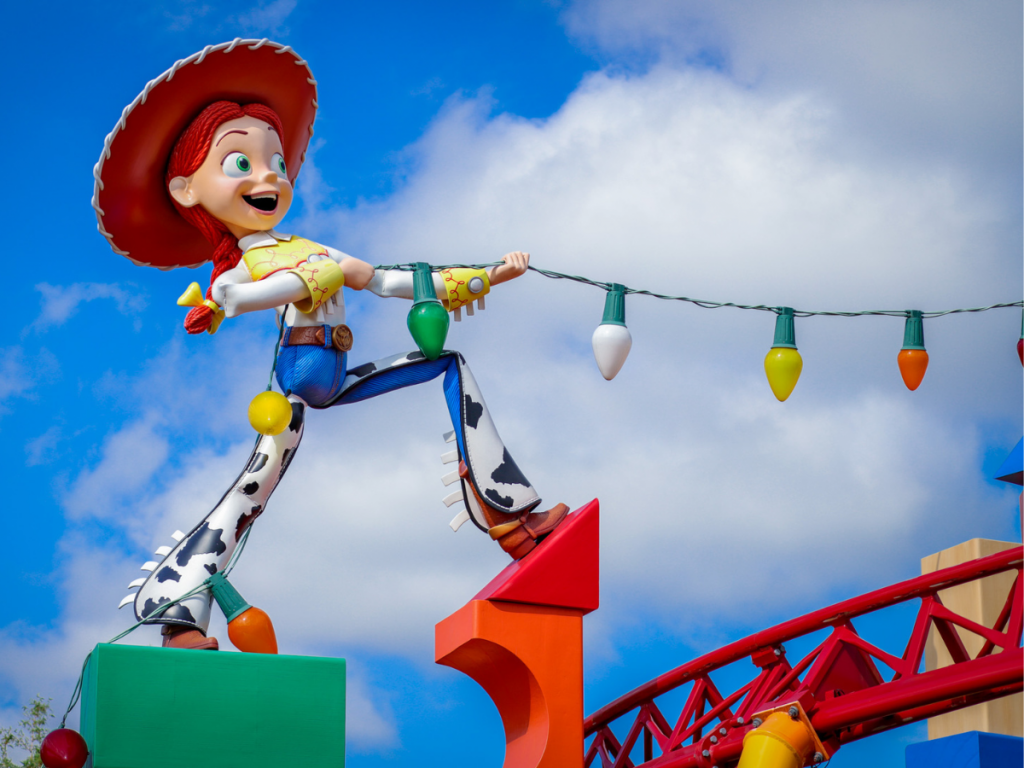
(838, 684)
(1002, 669)
(826, 617)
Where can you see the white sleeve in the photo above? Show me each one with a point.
(397, 283)
(234, 276)
(273, 291)
(236, 293)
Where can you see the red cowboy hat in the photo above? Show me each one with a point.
(133, 208)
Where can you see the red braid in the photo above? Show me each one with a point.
(189, 153)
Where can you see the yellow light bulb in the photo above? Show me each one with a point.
(270, 413)
(783, 366)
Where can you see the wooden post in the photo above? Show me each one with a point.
(979, 601)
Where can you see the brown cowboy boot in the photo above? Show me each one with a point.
(191, 639)
(516, 533)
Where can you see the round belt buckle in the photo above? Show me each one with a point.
(341, 338)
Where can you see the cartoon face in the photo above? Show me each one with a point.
(243, 181)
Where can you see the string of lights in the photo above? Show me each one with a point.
(712, 304)
(783, 364)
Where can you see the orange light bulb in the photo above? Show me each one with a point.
(913, 364)
(253, 632)
(913, 359)
(249, 628)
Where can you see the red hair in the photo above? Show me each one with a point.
(189, 153)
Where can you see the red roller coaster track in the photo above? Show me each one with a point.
(838, 684)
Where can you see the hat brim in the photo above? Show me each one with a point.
(133, 208)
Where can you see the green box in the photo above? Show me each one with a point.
(168, 708)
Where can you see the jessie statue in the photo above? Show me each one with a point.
(201, 168)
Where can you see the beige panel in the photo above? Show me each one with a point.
(981, 601)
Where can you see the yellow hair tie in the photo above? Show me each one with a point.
(193, 297)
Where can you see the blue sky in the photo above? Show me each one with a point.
(847, 158)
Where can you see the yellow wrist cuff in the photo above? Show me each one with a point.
(322, 279)
(463, 286)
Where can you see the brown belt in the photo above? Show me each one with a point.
(313, 335)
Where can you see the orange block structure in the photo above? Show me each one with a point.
(521, 639)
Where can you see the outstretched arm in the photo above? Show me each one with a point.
(394, 283)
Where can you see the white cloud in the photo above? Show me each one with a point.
(267, 17)
(185, 14)
(429, 88)
(189, 391)
(684, 182)
(912, 78)
(20, 373)
(369, 723)
(15, 377)
(42, 449)
(61, 302)
(130, 458)
(46, 661)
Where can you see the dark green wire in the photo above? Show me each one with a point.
(277, 350)
(713, 304)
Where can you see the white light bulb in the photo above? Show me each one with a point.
(611, 348)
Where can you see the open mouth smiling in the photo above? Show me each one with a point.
(265, 202)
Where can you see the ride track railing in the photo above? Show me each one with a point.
(837, 684)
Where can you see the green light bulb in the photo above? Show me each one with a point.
(428, 319)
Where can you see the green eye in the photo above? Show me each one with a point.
(278, 166)
(236, 165)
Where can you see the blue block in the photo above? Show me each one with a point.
(973, 749)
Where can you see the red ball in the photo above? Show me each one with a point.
(1020, 350)
(63, 748)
